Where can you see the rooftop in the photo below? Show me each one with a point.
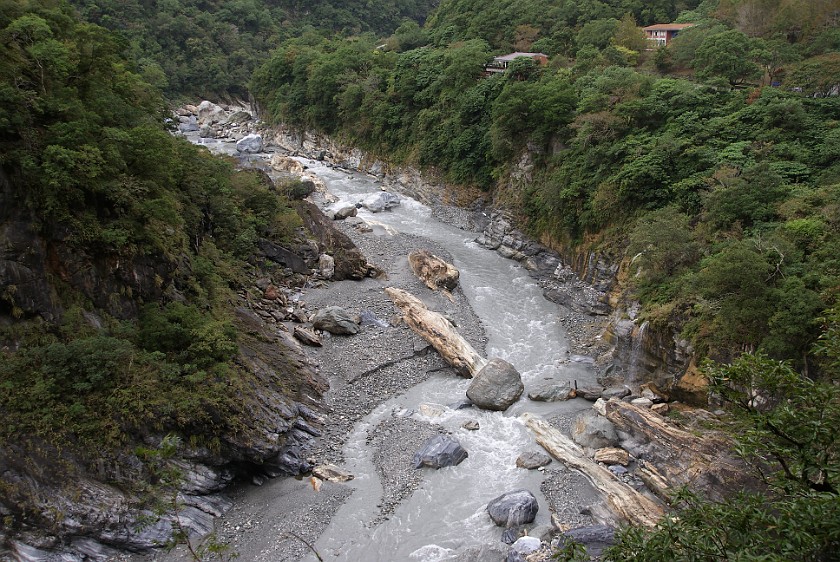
(667, 26)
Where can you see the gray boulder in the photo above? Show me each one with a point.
(593, 431)
(205, 132)
(532, 460)
(343, 211)
(551, 392)
(615, 392)
(594, 537)
(189, 126)
(513, 509)
(238, 118)
(438, 452)
(209, 112)
(326, 266)
(381, 201)
(250, 143)
(496, 386)
(336, 320)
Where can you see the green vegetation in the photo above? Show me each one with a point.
(210, 48)
(90, 173)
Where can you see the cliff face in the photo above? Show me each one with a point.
(581, 275)
(58, 494)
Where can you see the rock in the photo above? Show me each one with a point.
(551, 392)
(660, 409)
(368, 318)
(332, 473)
(381, 201)
(510, 536)
(542, 532)
(600, 406)
(438, 452)
(483, 553)
(238, 118)
(532, 460)
(513, 509)
(326, 266)
(617, 469)
(282, 256)
(594, 537)
(431, 410)
(250, 143)
(593, 431)
(612, 455)
(615, 392)
(209, 113)
(652, 393)
(205, 132)
(306, 336)
(349, 261)
(471, 425)
(343, 211)
(282, 163)
(190, 126)
(462, 404)
(591, 393)
(496, 386)
(271, 293)
(433, 271)
(642, 402)
(526, 545)
(335, 320)
(191, 109)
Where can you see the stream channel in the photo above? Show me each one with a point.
(447, 514)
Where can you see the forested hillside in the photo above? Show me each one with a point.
(209, 49)
(724, 187)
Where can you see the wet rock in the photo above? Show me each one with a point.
(251, 144)
(481, 554)
(462, 404)
(496, 386)
(438, 452)
(513, 509)
(593, 431)
(510, 536)
(471, 425)
(381, 201)
(532, 460)
(336, 320)
(551, 392)
(307, 336)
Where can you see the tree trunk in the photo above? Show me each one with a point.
(624, 501)
(438, 331)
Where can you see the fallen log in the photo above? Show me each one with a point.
(623, 501)
(433, 271)
(438, 331)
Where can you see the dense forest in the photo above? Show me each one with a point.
(710, 167)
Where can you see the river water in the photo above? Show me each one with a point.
(447, 514)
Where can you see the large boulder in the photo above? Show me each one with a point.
(496, 386)
(326, 266)
(594, 537)
(380, 201)
(440, 451)
(594, 431)
(209, 112)
(190, 125)
(281, 163)
(341, 211)
(250, 143)
(532, 460)
(336, 320)
(513, 509)
(433, 271)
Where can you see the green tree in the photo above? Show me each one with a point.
(727, 55)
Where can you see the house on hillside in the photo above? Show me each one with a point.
(663, 33)
(500, 64)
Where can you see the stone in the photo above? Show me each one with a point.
(190, 126)
(239, 117)
(209, 112)
(526, 545)
(600, 406)
(594, 537)
(205, 132)
(326, 266)
(433, 271)
(653, 393)
(593, 431)
(642, 402)
(307, 337)
(551, 392)
(250, 143)
(612, 455)
(513, 509)
(615, 392)
(331, 473)
(510, 536)
(438, 452)
(336, 320)
(343, 211)
(382, 201)
(282, 163)
(660, 409)
(431, 410)
(591, 393)
(542, 532)
(471, 425)
(271, 293)
(532, 460)
(496, 386)
(617, 469)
